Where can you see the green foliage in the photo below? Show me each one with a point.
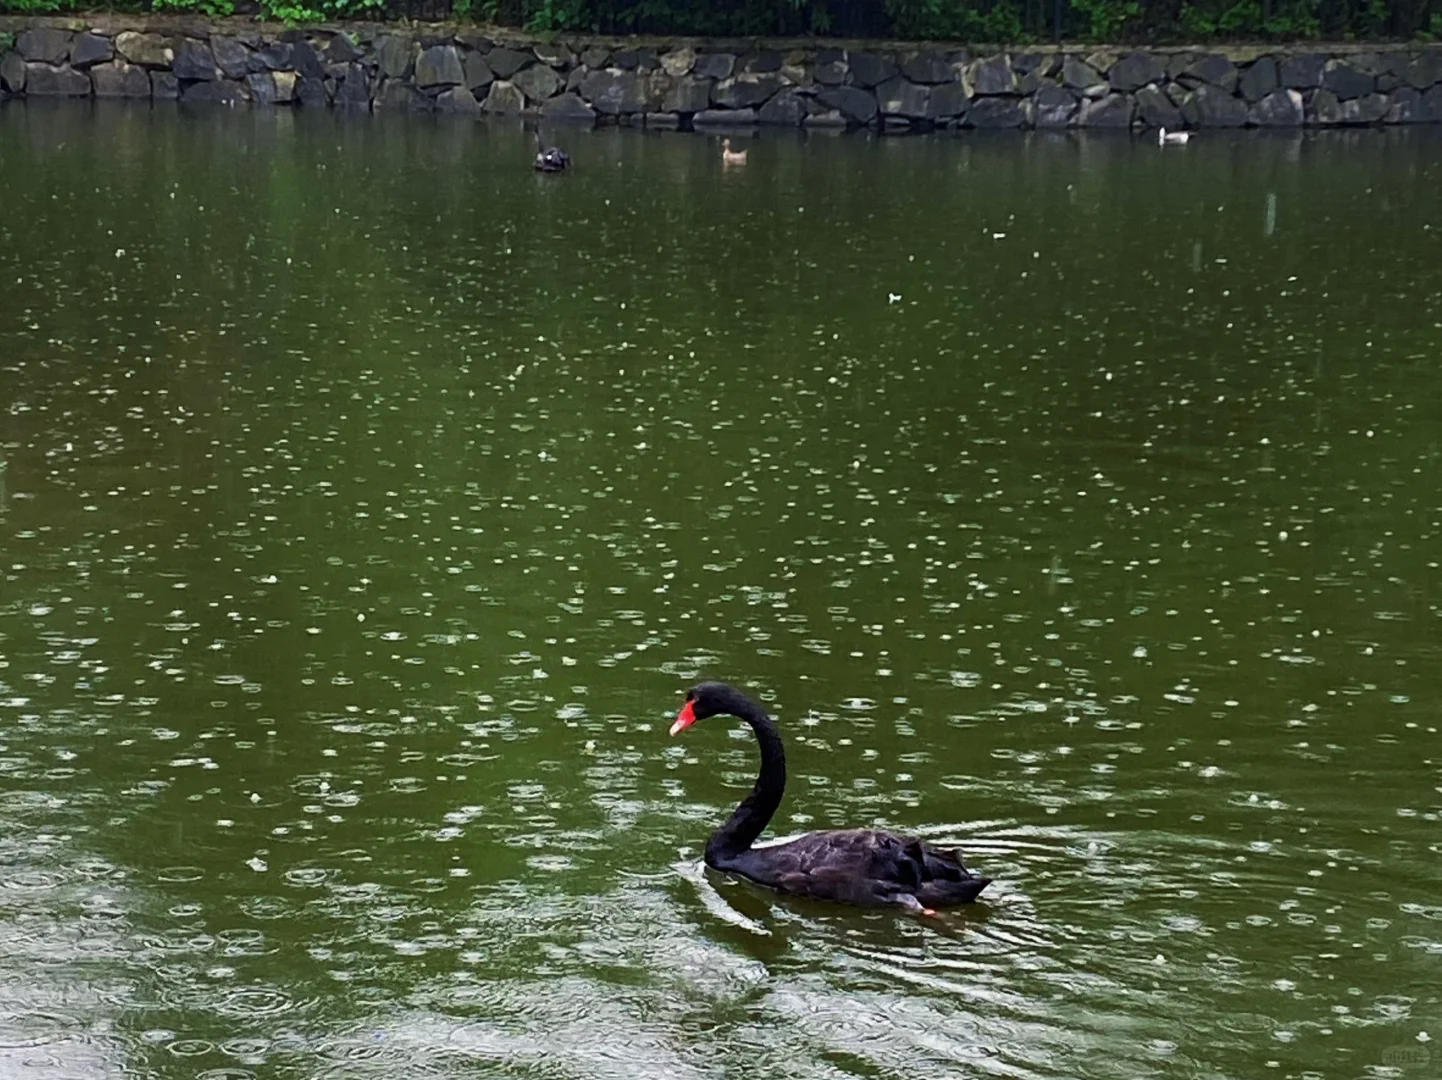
(1242, 18)
(1293, 22)
(38, 7)
(1289, 20)
(1107, 19)
(699, 17)
(558, 15)
(213, 8)
(945, 19)
(291, 11)
(1372, 18)
(287, 12)
(301, 11)
(980, 21)
(1196, 23)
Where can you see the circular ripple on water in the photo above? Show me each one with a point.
(374, 1054)
(229, 1073)
(95, 869)
(1244, 1023)
(35, 880)
(179, 874)
(108, 917)
(16, 803)
(267, 907)
(168, 941)
(246, 1048)
(691, 666)
(355, 1048)
(553, 864)
(188, 1048)
(179, 988)
(242, 942)
(308, 877)
(255, 1001)
(313, 785)
(34, 1029)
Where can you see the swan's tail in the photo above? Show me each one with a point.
(940, 894)
(944, 879)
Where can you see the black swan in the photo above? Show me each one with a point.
(855, 866)
(552, 158)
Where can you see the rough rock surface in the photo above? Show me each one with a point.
(852, 102)
(440, 65)
(88, 49)
(1211, 106)
(993, 75)
(887, 87)
(1280, 108)
(12, 72)
(194, 61)
(147, 50)
(44, 45)
(614, 91)
(1054, 106)
(118, 79)
(1112, 111)
(568, 107)
(1135, 71)
(504, 97)
(998, 112)
(48, 80)
(1259, 80)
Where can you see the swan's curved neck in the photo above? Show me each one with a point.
(756, 810)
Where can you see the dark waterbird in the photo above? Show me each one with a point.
(550, 158)
(854, 866)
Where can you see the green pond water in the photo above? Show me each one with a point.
(368, 503)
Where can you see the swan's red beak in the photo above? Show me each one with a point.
(686, 718)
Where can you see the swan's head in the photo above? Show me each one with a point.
(708, 699)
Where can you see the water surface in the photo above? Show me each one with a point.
(368, 503)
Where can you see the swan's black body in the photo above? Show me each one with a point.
(854, 866)
(552, 158)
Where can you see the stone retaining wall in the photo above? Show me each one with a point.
(713, 84)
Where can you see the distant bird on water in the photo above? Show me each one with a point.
(1172, 138)
(731, 157)
(550, 158)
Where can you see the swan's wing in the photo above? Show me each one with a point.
(863, 865)
(838, 884)
(941, 865)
